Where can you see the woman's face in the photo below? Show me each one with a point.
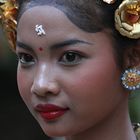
(67, 77)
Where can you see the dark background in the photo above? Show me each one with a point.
(16, 122)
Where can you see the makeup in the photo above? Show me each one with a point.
(50, 112)
(40, 49)
(39, 30)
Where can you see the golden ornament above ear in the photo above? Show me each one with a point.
(127, 18)
(8, 13)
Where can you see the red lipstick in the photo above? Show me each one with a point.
(50, 111)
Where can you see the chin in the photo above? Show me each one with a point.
(61, 132)
(54, 133)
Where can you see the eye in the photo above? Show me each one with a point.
(71, 58)
(26, 59)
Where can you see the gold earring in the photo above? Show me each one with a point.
(131, 79)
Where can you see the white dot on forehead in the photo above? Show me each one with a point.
(39, 30)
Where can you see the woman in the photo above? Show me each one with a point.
(77, 66)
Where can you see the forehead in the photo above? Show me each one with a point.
(54, 22)
(42, 14)
(57, 26)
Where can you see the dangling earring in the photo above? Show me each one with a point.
(131, 79)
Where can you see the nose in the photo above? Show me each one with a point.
(45, 82)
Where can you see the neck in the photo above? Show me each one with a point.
(117, 126)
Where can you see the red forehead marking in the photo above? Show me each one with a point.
(40, 49)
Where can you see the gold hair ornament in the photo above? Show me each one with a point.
(8, 13)
(127, 18)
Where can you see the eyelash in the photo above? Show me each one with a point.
(68, 58)
(73, 56)
(25, 59)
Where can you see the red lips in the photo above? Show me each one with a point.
(50, 111)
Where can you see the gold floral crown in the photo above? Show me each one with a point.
(127, 18)
(8, 13)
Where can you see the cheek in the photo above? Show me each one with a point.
(99, 78)
(95, 86)
(24, 83)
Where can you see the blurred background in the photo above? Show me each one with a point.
(16, 121)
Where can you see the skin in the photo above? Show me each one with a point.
(90, 86)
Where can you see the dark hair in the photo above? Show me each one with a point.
(89, 15)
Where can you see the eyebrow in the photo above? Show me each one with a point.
(69, 43)
(55, 46)
(24, 46)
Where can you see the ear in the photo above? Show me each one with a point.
(132, 57)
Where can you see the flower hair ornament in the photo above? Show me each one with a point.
(8, 13)
(127, 22)
(127, 19)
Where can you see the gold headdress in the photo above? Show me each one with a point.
(127, 18)
(8, 13)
